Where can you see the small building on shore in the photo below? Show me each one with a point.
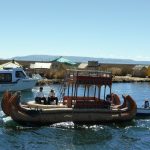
(82, 65)
(91, 65)
(40, 67)
(61, 62)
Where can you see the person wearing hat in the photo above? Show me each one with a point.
(52, 97)
(40, 96)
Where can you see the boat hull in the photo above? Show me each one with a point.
(28, 116)
(77, 116)
(22, 84)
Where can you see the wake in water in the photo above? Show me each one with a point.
(6, 120)
(141, 124)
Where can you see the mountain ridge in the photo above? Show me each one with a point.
(47, 58)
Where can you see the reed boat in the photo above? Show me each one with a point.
(75, 107)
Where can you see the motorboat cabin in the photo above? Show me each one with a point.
(14, 79)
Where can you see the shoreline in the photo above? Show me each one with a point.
(115, 79)
(127, 79)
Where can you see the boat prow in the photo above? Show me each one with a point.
(5, 103)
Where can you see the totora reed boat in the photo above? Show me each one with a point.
(79, 107)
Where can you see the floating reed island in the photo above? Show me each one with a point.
(48, 82)
(129, 79)
(115, 79)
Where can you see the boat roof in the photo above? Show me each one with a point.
(89, 77)
(11, 64)
(6, 70)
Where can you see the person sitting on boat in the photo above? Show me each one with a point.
(108, 98)
(146, 104)
(52, 97)
(40, 96)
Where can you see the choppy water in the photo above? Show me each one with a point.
(68, 136)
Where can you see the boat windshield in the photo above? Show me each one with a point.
(20, 74)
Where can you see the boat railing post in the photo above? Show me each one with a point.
(110, 89)
(72, 89)
(99, 91)
(68, 88)
(75, 93)
(88, 90)
(95, 92)
(72, 96)
(84, 90)
(104, 92)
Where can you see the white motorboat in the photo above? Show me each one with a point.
(14, 79)
(143, 112)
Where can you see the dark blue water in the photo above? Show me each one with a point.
(67, 136)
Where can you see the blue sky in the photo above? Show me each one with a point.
(93, 28)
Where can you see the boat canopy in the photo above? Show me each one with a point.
(89, 77)
(86, 79)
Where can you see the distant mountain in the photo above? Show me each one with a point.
(79, 59)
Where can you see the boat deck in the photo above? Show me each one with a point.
(61, 107)
(32, 104)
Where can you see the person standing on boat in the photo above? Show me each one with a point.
(40, 96)
(146, 104)
(52, 97)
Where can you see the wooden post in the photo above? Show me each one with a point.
(72, 89)
(110, 89)
(94, 91)
(104, 92)
(84, 90)
(68, 88)
(88, 91)
(99, 91)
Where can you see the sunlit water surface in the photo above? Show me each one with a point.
(69, 136)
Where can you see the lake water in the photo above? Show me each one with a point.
(67, 136)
